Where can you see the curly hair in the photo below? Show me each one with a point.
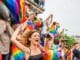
(28, 35)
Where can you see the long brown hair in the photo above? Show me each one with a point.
(27, 36)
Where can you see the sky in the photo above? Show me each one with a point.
(66, 12)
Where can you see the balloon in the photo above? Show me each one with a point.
(2, 26)
(4, 12)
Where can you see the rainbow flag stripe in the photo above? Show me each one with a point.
(17, 53)
(48, 55)
(17, 9)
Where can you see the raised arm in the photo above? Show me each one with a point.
(9, 29)
(49, 19)
(18, 44)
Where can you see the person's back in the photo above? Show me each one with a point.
(5, 40)
(5, 43)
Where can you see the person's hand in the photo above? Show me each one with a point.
(51, 15)
(26, 30)
(24, 25)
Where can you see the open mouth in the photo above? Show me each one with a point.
(37, 40)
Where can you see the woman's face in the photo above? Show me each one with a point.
(35, 38)
(50, 43)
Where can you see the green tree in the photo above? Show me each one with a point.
(69, 40)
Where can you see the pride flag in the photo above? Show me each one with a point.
(14, 7)
(54, 29)
(48, 55)
(56, 53)
(23, 17)
(17, 9)
(17, 53)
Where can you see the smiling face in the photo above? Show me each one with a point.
(35, 38)
(49, 43)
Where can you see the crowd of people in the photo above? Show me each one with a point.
(35, 39)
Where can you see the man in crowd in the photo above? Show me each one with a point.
(5, 34)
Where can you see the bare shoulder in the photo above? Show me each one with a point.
(27, 51)
(27, 54)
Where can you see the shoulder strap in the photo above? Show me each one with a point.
(30, 52)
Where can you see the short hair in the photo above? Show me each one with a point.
(54, 23)
(48, 36)
(56, 41)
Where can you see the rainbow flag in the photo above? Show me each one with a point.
(54, 29)
(48, 55)
(52, 54)
(17, 53)
(13, 6)
(17, 9)
(23, 17)
(56, 53)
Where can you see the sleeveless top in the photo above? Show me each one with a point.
(36, 57)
